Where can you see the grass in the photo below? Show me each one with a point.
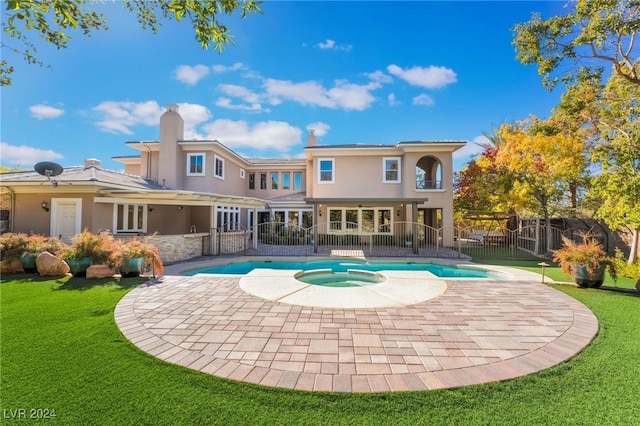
(62, 351)
(554, 272)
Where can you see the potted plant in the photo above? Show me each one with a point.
(86, 249)
(35, 245)
(134, 257)
(586, 262)
(12, 246)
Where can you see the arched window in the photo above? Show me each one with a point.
(428, 173)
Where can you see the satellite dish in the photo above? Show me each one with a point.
(48, 169)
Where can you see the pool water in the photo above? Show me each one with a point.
(338, 279)
(351, 278)
(341, 265)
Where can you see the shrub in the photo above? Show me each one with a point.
(37, 244)
(625, 269)
(12, 245)
(134, 249)
(99, 248)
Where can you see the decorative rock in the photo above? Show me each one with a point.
(10, 266)
(50, 265)
(100, 271)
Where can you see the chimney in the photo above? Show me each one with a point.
(311, 139)
(171, 167)
(92, 162)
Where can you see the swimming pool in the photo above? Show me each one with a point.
(342, 265)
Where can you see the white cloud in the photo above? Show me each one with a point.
(472, 149)
(431, 77)
(331, 45)
(119, 117)
(380, 77)
(193, 115)
(42, 112)
(227, 103)
(25, 155)
(423, 100)
(343, 95)
(224, 68)
(252, 101)
(191, 74)
(319, 128)
(327, 44)
(393, 101)
(262, 136)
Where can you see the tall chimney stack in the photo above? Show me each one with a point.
(311, 139)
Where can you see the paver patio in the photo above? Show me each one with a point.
(477, 331)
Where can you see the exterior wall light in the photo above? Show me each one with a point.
(45, 206)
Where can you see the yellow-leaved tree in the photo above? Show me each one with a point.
(541, 167)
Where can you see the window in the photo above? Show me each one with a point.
(218, 167)
(368, 221)
(297, 181)
(241, 173)
(384, 220)
(263, 181)
(335, 220)
(131, 218)
(391, 169)
(351, 219)
(360, 220)
(274, 180)
(326, 170)
(195, 164)
(252, 181)
(286, 180)
(292, 218)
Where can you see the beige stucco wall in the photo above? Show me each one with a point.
(356, 176)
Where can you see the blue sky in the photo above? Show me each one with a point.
(356, 72)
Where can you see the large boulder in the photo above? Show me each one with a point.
(11, 266)
(100, 271)
(50, 265)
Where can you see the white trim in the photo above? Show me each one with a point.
(384, 169)
(333, 170)
(204, 162)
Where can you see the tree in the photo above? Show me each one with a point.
(541, 166)
(52, 20)
(618, 184)
(596, 32)
(481, 186)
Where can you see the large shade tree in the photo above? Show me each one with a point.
(542, 167)
(54, 21)
(580, 48)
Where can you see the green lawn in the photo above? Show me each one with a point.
(62, 351)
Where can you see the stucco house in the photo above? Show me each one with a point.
(189, 188)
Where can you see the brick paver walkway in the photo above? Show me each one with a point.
(478, 331)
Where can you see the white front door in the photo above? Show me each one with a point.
(66, 214)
